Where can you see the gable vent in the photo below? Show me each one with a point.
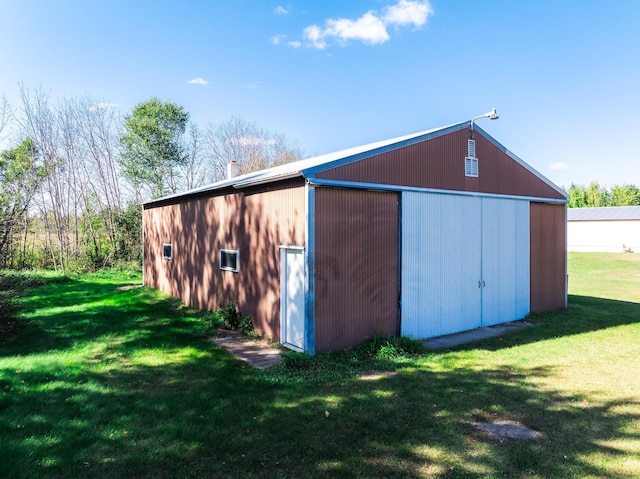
(471, 149)
(471, 166)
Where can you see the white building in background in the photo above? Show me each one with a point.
(614, 229)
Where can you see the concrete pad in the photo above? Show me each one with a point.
(450, 340)
(257, 352)
(504, 429)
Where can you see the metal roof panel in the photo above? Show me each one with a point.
(311, 166)
(605, 213)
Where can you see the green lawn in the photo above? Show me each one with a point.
(106, 381)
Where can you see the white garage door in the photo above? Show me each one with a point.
(465, 263)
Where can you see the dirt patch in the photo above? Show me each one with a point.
(375, 375)
(258, 352)
(128, 287)
(505, 429)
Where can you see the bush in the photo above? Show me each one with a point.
(229, 317)
(246, 326)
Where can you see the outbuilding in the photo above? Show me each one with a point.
(613, 229)
(424, 235)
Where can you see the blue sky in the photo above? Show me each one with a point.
(563, 75)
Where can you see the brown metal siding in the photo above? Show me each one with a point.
(439, 163)
(356, 266)
(254, 222)
(548, 256)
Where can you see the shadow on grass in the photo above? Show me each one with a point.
(69, 311)
(213, 417)
(191, 410)
(583, 315)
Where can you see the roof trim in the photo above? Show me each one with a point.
(310, 167)
(382, 187)
(384, 147)
(604, 213)
(260, 180)
(521, 162)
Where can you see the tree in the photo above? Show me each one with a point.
(624, 195)
(193, 171)
(5, 114)
(577, 196)
(597, 195)
(20, 177)
(252, 147)
(56, 197)
(153, 150)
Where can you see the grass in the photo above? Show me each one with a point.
(107, 381)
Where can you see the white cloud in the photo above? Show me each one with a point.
(315, 36)
(559, 166)
(370, 28)
(278, 39)
(282, 38)
(255, 84)
(407, 12)
(280, 10)
(198, 81)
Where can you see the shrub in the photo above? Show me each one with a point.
(246, 326)
(229, 317)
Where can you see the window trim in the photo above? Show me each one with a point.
(471, 167)
(164, 246)
(237, 260)
(471, 148)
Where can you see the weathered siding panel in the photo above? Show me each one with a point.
(254, 222)
(439, 163)
(548, 256)
(356, 266)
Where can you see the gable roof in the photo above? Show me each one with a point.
(309, 167)
(605, 213)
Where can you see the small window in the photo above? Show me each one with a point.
(229, 260)
(167, 251)
(471, 167)
(471, 148)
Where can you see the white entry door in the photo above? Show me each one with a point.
(292, 297)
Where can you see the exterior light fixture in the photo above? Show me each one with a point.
(492, 115)
(471, 161)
